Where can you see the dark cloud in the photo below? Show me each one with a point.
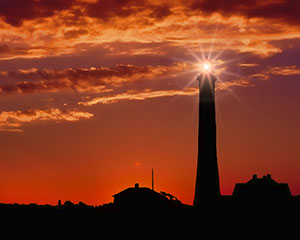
(108, 9)
(161, 12)
(75, 33)
(84, 79)
(285, 10)
(15, 11)
(81, 73)
(4, 48)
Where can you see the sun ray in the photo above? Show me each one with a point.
(192, 53)
(212, 44)
(233, 60)
(221, 52)
(231, 74)
(202, 53)
(181, 60)
(217, 64)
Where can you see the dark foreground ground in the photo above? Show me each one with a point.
(233, 213)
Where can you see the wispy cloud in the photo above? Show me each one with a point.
(282, 70)
(14, 120)
(286, 70)
(148, 93)
(94, 79)
(140, 95)
(249, 64)
(235, 83)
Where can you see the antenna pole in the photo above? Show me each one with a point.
(152, 180)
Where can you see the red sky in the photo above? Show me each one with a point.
(94, 94)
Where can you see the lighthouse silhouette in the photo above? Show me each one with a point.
(207, 188)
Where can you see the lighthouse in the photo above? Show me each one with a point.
(207, 188)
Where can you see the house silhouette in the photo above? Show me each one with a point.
(142, 198)
(261, 188)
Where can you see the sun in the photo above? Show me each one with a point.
(206, 66)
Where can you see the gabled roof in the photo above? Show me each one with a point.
(264, 187)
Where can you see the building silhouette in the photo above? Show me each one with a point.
(264, 188)
(207, 179)
(141, 198)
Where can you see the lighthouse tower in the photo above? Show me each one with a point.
(207, 178)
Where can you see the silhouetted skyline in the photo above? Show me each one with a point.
(96, 93)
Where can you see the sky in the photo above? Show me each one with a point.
(96, 93)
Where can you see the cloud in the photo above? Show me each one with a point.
(140, 95)
(4, 48)
(286, 70)
(282, 70)
(94, 79)
(14, 120)
(284, 10)
(260, 76)
(249, 64)
(15, 12)
(236, 83)
(259, 47)
(34, 29)
(149, 94)
(75, 33)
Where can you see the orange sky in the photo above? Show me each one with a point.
(94, 94)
